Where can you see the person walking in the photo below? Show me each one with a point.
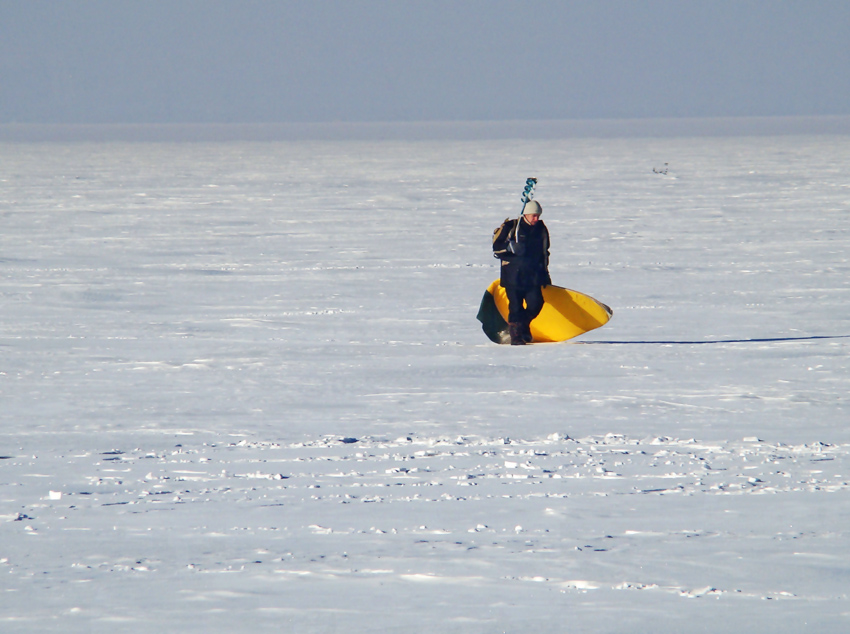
(522, 244)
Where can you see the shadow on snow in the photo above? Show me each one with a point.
(701, 343)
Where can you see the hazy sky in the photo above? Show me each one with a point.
(129, 61)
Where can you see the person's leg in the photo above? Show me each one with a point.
(533, 305)
(516, 314)
(516, 307)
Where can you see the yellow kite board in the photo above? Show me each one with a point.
(566, 314)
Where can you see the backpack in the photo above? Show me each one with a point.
(503, 238)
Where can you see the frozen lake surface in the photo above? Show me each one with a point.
(243, 388)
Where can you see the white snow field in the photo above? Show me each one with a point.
(243, 389)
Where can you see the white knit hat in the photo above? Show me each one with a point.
(532, 208)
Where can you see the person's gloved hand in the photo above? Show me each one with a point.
(517, 248)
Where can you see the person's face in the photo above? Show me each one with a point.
(531, 219)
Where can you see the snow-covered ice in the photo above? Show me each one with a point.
(243, 388)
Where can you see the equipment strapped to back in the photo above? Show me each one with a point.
(527, 195)
(528, 192)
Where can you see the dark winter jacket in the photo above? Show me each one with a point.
(527, 263)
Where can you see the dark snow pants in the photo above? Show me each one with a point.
(524, 304)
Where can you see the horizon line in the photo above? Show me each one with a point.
(462, 130)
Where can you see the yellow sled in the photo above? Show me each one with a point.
(566, 314)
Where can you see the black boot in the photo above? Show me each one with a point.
(516, 334)
(525, 332)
